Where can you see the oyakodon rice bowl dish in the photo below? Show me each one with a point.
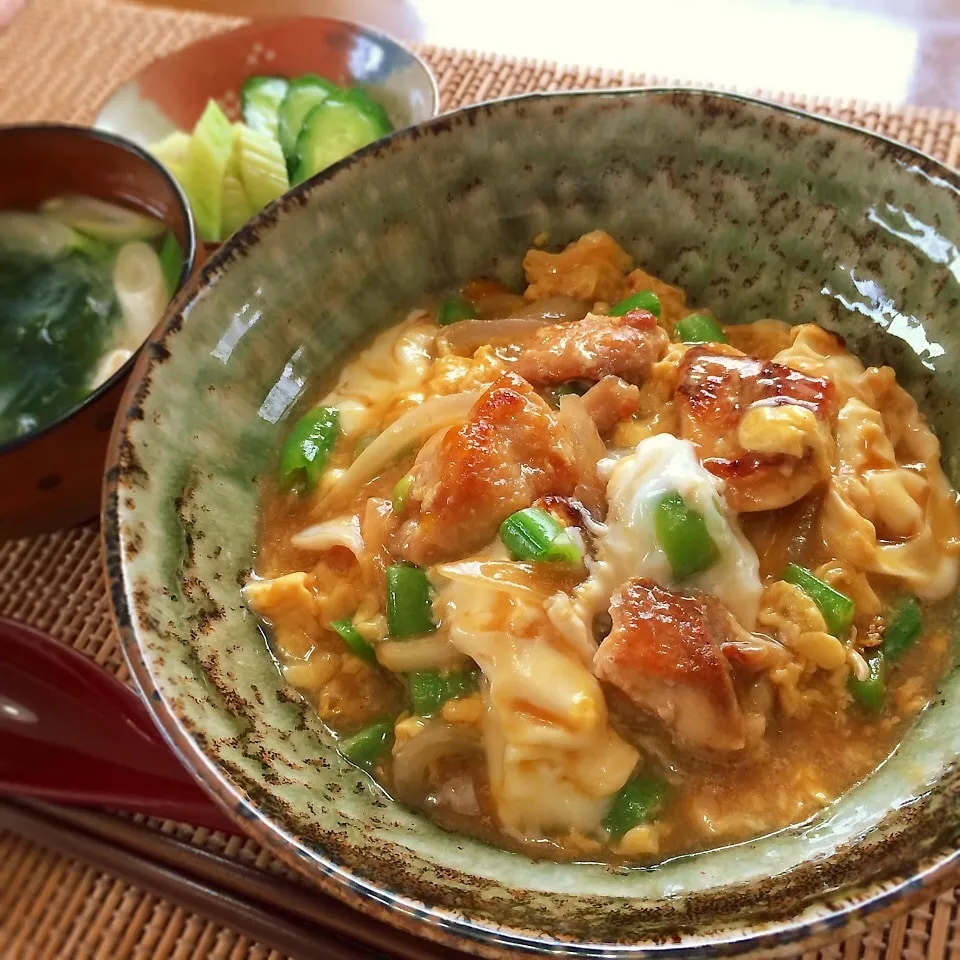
(583, 573)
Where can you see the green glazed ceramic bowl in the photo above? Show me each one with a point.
(755, 209)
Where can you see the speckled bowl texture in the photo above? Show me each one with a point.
(757, 211)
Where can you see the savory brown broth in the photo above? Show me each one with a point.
(584, 574)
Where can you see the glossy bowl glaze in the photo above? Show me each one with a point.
(52, 478)
(758, 211)
(170, 93)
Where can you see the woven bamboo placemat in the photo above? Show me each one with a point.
(58, 60)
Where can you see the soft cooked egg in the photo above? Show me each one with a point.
(628, 545)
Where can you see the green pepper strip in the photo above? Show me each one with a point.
(699, 328)
(870, 692)
(454, 309)
(366, 746)
(644, 300)
(639, 799)
(355, 643)
(533, 534)
(409, 610)
(903, 628)
(429, 691)
(308, 448)
(401, 493)
(837, 608)
(682, 533)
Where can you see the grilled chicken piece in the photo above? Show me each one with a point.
(763, 428)
(597, 346)
(664, 654)
(610, 401)
(511, 451)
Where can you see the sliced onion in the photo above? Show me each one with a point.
(460, 795)
(556, 309)
(409, 430)
(102, 220)
(435, 652)
(518, 579)
(35, 234)
(588, 452)
(341, 532)
(466, 336)
(414, 759)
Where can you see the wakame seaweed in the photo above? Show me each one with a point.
(56, 318)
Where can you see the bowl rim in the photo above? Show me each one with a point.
(189, 258)
(830, 917)
(257, 26)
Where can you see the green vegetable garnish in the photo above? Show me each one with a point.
(355, 643)
(454, 309)
(401, 492)
(639, 800)
(870, 692)
(644, 300)
(682, 533)
(171, 259)
(308, 448)
(837, 608)
(553, 395)
(699, 328)
(903, 628)
(409, 610)
(429, 690)
(211, 148)
(533, 534)
(366, 746)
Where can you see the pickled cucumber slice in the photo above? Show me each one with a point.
(331, 131)
(303, 94)
(260, 100)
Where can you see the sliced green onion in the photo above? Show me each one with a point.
(401, 493)
(644, 300)
(308, 448)
(682, 533)
(639, 800)
(533, 534)
(903, 628)
(409, 610)
(837, 608)
(454, 309)
(366, 746)
(171, 260)
(355, 643)
(430, 690)
(870, 693)
(699, 328)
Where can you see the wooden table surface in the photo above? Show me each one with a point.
(888, 51)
